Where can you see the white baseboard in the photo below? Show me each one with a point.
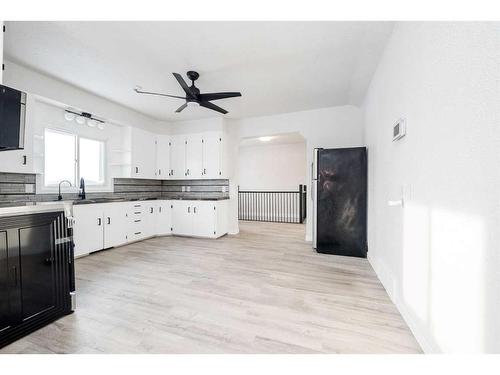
(390, 284)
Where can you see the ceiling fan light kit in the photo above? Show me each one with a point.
(193, 96)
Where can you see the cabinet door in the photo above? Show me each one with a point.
(21, 161)
(212, 155)
(182, 218)
(204, 219)
(177, 157)
(162, 157)
(163, 218)
(8, 280)
(143, 154)
(115, 224)
(38, 288)
(150, 216)
(88, 230)
(194, 156)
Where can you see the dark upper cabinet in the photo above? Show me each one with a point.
(36, 274)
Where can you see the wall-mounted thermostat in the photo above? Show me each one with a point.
(399, 129)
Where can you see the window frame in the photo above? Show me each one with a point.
(50, 188)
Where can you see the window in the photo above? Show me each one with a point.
(92, 161)
(70, 157)
(60, 157)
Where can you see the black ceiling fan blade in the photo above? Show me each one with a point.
(181, 107)
(158, 94)
(184, 85)
(213, 107)
(218, 95)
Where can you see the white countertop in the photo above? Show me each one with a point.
(37, 208)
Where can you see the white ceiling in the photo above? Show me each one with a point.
(278, 66)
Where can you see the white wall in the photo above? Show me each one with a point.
(197, 126)
(438, 257)
(327, 127)
(25, 79)
(278, 167)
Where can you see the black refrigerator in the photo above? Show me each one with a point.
(339, 194)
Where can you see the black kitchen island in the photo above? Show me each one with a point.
(36, 269)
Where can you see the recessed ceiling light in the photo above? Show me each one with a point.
(265, 139)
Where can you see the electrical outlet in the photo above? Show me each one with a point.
(188, 188)
(28, 188)
(183, 189)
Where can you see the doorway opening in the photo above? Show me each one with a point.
(272, 178)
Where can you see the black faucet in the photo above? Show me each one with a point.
(59, 197)
(81, 194)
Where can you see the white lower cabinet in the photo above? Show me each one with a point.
(88, 229)
(115, 220)
(163, 218)
(99, 226)
(103, 225)
(199, 218)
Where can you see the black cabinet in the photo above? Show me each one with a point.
(36, 272)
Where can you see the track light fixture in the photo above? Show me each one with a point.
(84, 117)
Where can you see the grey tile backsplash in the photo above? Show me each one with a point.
(21, 187)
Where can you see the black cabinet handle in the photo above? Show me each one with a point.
(188, 172)
(189, 210)
(109, 220)
(136, 169)
(159, 209)
(194, 208)
(159, 172)
(204, 170)
(151, 208)
(99, 221)
(25, 160)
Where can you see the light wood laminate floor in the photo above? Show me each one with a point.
(262, 291)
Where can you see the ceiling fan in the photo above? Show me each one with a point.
(193, 96)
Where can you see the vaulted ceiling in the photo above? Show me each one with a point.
(278, 66)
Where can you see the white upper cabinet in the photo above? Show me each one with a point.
(143, 154)
(162, 157)
(177, 157)
(212, 155)
(194, 156)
